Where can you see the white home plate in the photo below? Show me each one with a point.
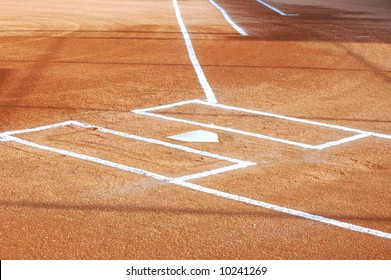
(197, 136)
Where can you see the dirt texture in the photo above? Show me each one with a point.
(96, 61)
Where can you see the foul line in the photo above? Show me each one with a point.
(180, 182)
(228, 19)
(210, 96)
(276, 10)
(286, 210)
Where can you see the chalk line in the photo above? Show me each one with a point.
(359, 133)
(238, 164)
(90, 158)
(162, 143)
(215, 171)
(228, 129)
(342, 141)
(210, 96)
(293, 119)
(180, 182)
(228, 19)
(276, 10)
(380, 135)
(286, 210)
(167, 106)
(40, 128)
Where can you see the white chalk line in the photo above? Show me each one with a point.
(89, 158)
(40, 128)
(251, 134)
(360, 133)
(214, 172)
(228, 19)
(180, 182)
(293, 119)
(227, 129)
(277, 116)
(238, 164)
(342, 141)
(380, 135)
(167, 106)
(286, 210)
(210, 96)
(162, 143)
(276, 10)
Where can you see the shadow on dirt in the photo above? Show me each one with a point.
(176, 211)
(314, 23)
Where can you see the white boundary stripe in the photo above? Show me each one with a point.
(162, 143)
(45, 127)
(90, 158)
(266, 114)
(342, 141)
(286, 210)
(125, 135)
(380, 135)
(214, 172)
(276, 10)
(238, 163)
(361, 133)
(227, 129)
(210, 96)
(260, 136)
(344, 128)
(228, 19)
(214, 192)
(167, 106)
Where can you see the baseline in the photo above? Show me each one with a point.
(210, 96)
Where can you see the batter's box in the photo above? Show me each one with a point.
(287, 130)
(146, 156)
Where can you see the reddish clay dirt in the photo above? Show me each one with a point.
(94, 61)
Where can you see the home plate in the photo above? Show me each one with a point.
(197, 136)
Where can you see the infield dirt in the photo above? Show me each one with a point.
(95, 61)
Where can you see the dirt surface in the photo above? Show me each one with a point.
(96, 61)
